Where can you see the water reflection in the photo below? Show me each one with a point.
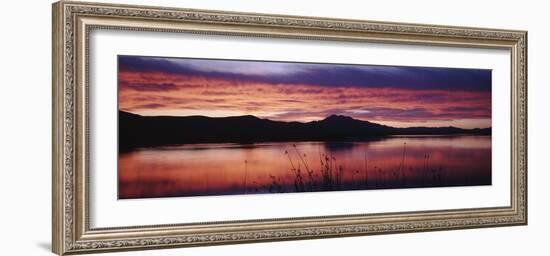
(223, 169)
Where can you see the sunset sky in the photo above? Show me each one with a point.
(391, 95)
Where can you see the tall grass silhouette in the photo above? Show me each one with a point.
(329, 175)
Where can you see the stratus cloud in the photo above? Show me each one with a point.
(326, 75)
(156, 93)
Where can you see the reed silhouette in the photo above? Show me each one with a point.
(329, 175)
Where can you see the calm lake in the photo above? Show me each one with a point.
(225, 169)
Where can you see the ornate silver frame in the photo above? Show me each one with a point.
(72, 22)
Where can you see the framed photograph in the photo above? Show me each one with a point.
(178, 127)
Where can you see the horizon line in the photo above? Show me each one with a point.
(340, 115)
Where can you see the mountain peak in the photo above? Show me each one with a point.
(338, 118)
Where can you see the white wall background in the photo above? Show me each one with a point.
(25, 149)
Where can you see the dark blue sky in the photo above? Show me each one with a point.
(331, 75)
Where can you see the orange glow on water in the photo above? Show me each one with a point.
(221, 169)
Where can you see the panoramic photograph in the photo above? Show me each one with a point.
(213, 127)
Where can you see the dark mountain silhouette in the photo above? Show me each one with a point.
(139, 131)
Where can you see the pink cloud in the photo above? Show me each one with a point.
(158, 93)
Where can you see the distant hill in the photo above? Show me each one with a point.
(136, 130)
